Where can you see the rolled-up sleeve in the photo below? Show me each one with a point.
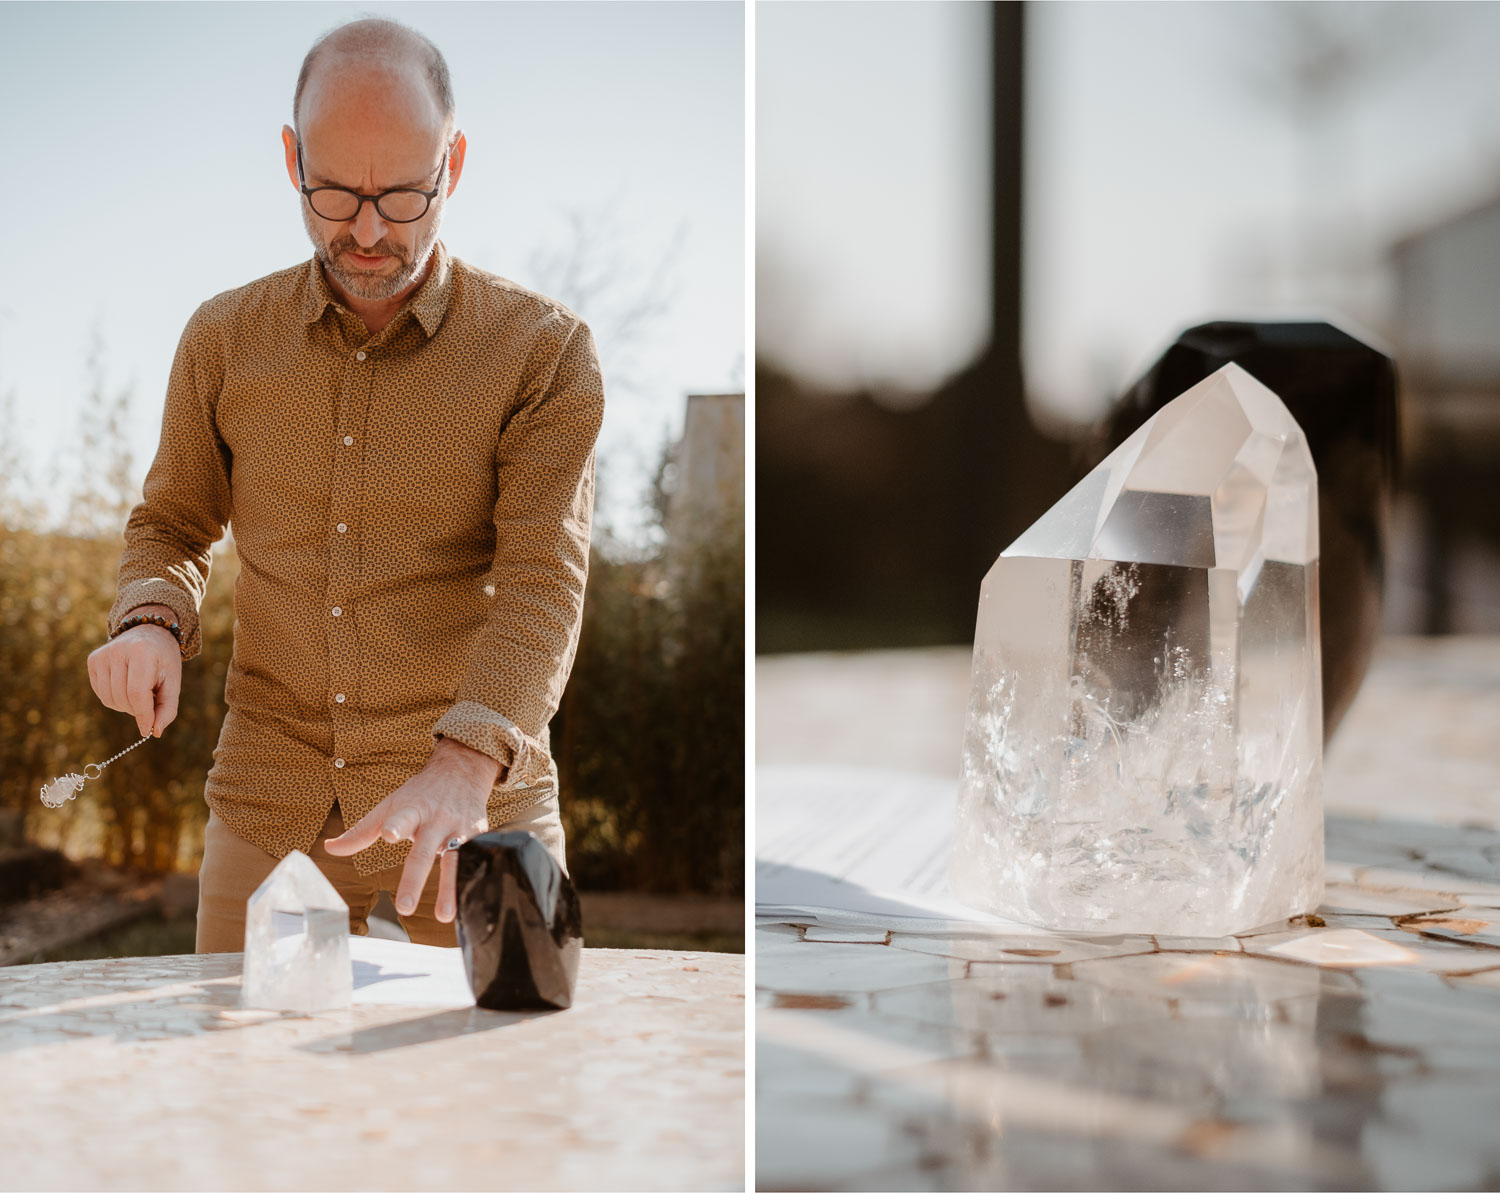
(514, 678)
(185, 503)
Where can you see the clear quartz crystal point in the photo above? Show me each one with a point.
(1143, 749)
(296, 942)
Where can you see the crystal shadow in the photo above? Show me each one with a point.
(425, 1029)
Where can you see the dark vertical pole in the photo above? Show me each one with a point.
(1007, 40)
(992, 447)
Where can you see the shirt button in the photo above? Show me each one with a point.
(340, 697)
(338, 611)
(359, 356)
(342, 527)
(339, 762)
(348, 440)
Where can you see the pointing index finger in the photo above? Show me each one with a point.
(359, 836)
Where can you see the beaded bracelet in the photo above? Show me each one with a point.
(136, 619)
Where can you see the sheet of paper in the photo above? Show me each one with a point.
(855, 845)
(395, 972)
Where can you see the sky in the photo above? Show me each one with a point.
(872, 165)
(143, 174)
(1170, 177)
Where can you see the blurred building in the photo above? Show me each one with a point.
(705, 497)
(1448, 341)
(710, 460)
(1448, 291)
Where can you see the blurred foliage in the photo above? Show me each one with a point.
(650, 739)
(57, 582)
(147, 812)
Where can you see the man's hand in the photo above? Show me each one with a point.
(140, 672)
(447, 798)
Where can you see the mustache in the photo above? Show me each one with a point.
(348, 245)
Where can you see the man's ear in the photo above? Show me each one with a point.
(456, 161)
(289, 144)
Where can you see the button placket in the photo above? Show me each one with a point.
(343, 660)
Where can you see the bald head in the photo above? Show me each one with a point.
(377, 52)
(373, 112)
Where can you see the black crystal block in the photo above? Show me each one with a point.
(518, 923)
(1343, 394)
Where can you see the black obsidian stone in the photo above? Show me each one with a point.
(518, 923)
(1343, 394)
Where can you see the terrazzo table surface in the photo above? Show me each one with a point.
(143, 1074)
(1362, 1054)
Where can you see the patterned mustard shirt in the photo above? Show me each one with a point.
(411, 511)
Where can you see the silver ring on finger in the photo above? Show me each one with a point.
(453, 843)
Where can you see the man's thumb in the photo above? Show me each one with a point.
(141, 695)
(166, 705)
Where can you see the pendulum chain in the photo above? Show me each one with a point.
(60, 790)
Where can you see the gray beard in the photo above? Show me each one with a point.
(378, 287)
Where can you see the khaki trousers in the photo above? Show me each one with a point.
(233, 868)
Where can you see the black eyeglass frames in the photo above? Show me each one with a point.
(338, 203)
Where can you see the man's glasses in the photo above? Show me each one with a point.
(339, 203)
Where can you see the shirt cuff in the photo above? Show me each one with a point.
(523, 760)
(156, 591)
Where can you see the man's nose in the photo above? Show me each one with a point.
(368, 227)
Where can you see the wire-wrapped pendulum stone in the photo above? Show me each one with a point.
(58, 792)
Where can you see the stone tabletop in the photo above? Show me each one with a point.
(143, 1073)
(1359, 1049)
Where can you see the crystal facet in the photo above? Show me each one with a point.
(296, 941)
(1143, 750)
(1342, 392)
(519, 923)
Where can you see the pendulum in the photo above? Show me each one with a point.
(58, 792)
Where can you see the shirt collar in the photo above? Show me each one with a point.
(429, 304)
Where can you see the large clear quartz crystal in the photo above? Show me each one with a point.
(296, 942)
(1143, 750)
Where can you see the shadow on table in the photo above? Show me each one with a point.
(793, 887)
(441, 1025)
(81, 1002)
(79, 1006)
(368, 973)
(1469, 853)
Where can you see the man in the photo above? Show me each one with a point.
(405, 446)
